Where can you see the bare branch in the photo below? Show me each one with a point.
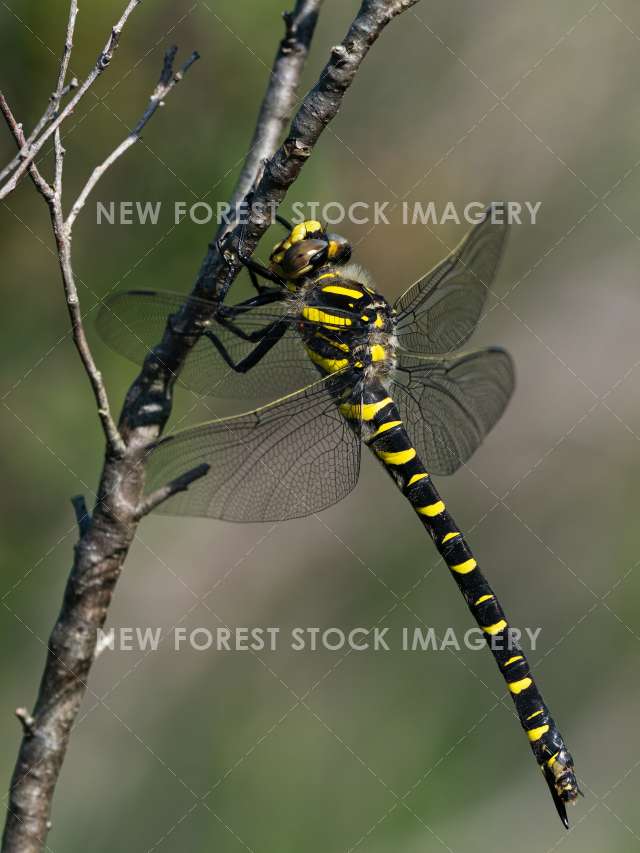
(319, 107)
(168, 80)
(51, 119)
(56, 97)
(115, 444)
(100, 554)
(179, 484)
(279, 99)
(61, 91)
(63, 242)
(63, 230)
(41, 184)
(63, 234)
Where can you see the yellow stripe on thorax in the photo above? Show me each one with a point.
(315, 315)
(482, 599)
(378, 352)
(334, 343)
(341, 291)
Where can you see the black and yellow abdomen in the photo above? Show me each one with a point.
(384, 432)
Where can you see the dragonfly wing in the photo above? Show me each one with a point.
(439, 312)
(283, 369)
(288, 459)
(132, 323)
(451, 402)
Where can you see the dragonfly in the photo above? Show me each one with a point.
(351, 370)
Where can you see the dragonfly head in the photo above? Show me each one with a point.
(307, 247)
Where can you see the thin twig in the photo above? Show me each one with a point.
(19, 165)
(168, 80)
(41, 184)
(59, 94)
(63, 229)
(179, 484)
(66, 54)
(280, 96)
(55, 98)
(114, 440)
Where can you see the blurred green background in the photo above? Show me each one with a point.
(369, 751)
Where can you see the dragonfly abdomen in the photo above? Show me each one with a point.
(385, 434)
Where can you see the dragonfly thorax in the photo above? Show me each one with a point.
(344, 322)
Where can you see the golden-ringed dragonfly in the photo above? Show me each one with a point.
(390, 377)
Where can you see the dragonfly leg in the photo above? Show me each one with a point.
(265, 298)
(255, 281)
(267, 338)
(256, 269)
(284, 222)
(228, 313)
(253, 337)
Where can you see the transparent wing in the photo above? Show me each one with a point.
(451, 402)
(132, 323)
(289, 459)
(439, 312)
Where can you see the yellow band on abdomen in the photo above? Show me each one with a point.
(495, 628)
(384, 428)
(536, 734)
(364, 411)
(432, 509)
(464, 568)
(396, 457)
(518, 686)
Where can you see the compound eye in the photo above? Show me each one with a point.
(303, 257)
(339, 249)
